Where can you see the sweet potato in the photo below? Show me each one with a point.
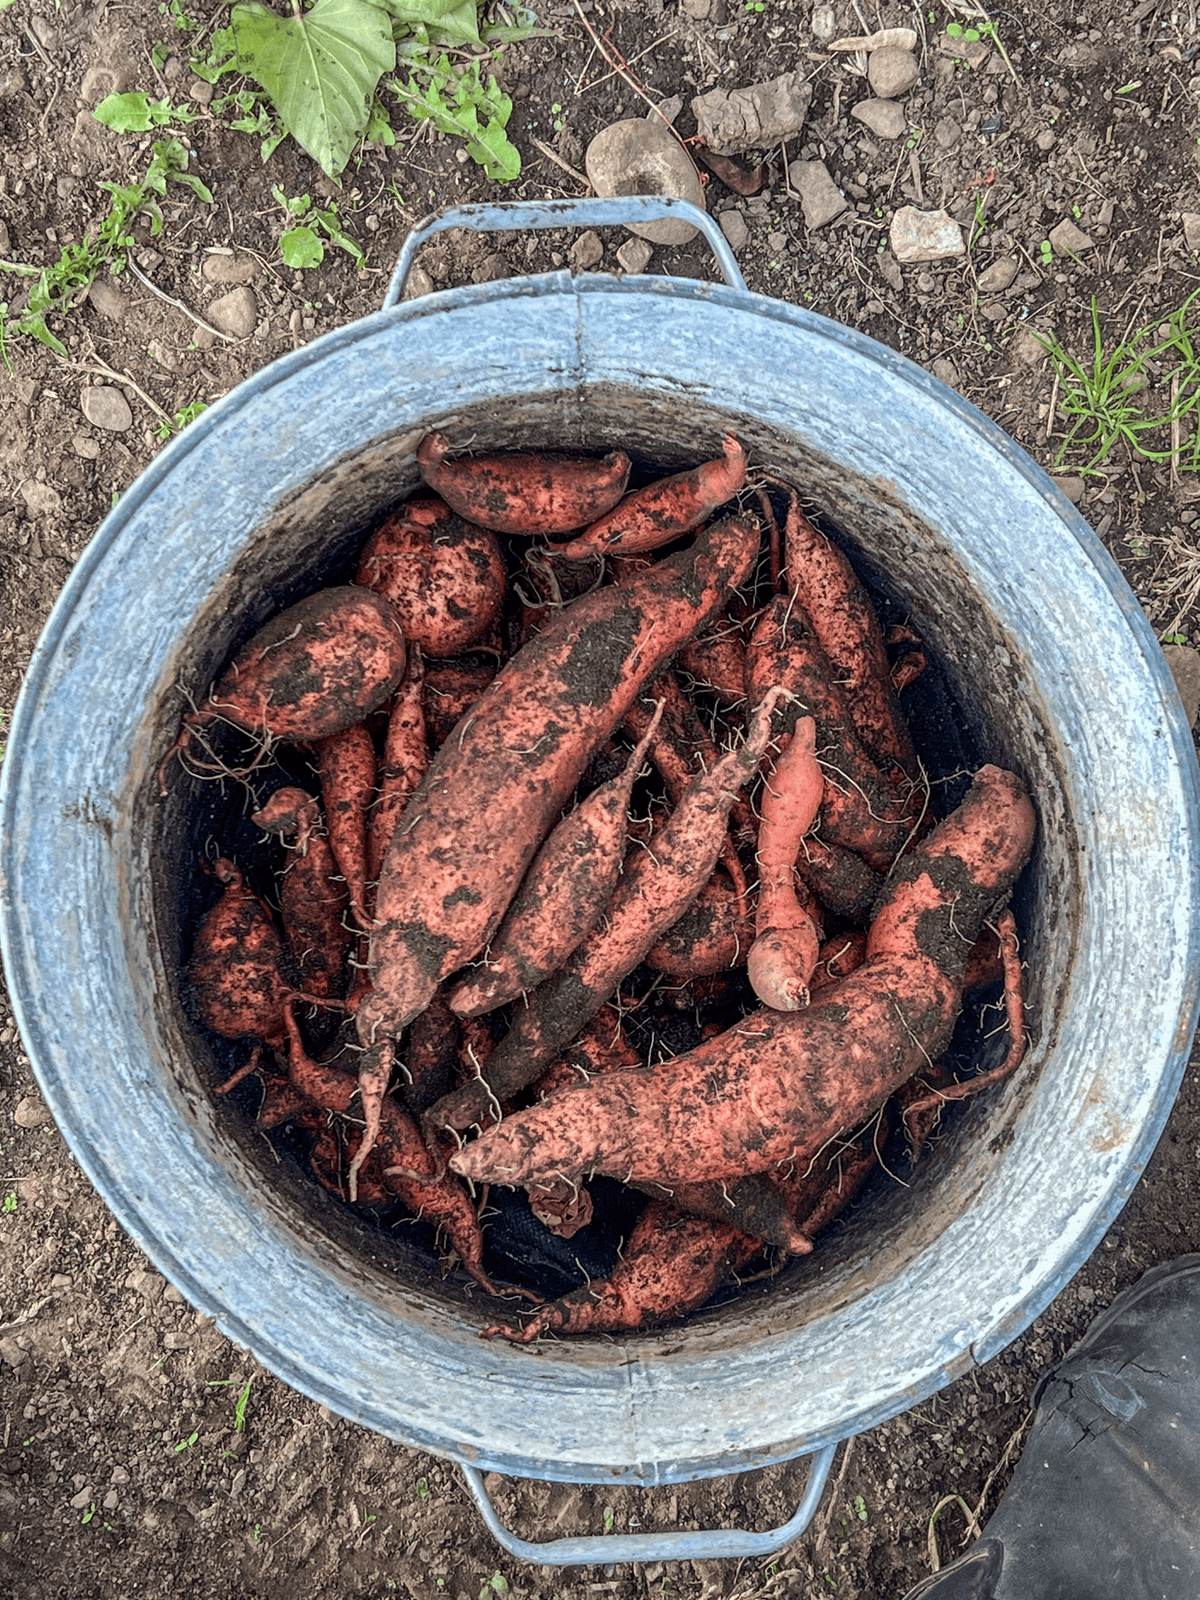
(347, 766)
(444, 575)
(774, 1088)
(787, 935)
(451, 689)
(713, 934)
(671, 1265)
(236, 976)
(717, 661)
(563, 895)
(312, 903)
(662, 511)
(841, 880)
(657, 887)
(494, 789)
(529, 492)
(405, 760)
(312, 671)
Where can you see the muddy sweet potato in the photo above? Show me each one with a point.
(772, 1089)
(525, 492)
(713, 935)
(236, 977)
(787, 934)
(312, 901)
(405, 760)
(347, 766)
(444, 575)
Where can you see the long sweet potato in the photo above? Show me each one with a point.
(405, 761)
(494, 789)
(788, 936)
(347, 765)
(312, 902)
(774, 1088)
(525, 492)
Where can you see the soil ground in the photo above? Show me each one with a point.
(123, 1471)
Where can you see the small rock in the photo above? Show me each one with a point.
(824, 24)
(640, 157)
(1026, 349)
(84, 445)
(101, 81)
(238, 1484)
(110, 1500)
(108, 300)
(173, 1297)
(882, 39)
(11, 1353)
(634, 256)
(733, 226)
(217, 267)
(994, 279)
(698, 10)
(1184, 663)
(81, 1501)
(892, 72)
(176, 1339)
(1067, 239)
(973, 51)
(925, 235)
(947, 134)
(732, 120)
(31, 1112)
(119, 1475)
(1191, 231)
(235, 313)
(5, 241)
(777, 241)
(889, 268)
(162, 354)
(494, 269)
(1046, 140)
(42, 500)
(1073, 488)
(1086, 1295)
(667, 110)
(44, 32)
(106, 407)
(200, 91)
(418, 283)
(149, 1285)
(945, 369)
(884, 117)
(148, 259)
(820, 197)
(587, 252)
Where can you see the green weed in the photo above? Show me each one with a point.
(183, 416)
(137, 113)
(301, 246)
(239, 1410)
(9, 1203)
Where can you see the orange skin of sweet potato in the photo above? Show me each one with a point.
(671, 1265)
(525, 493)
(347, 766)
(717, 661)
(312, 903)
(236, 974)
(655, 890)
(788, 936)
(564, 893)
(663, 511)
(311, 672)
(444, 575)
(713, 935)
(405, 762)
(493, 790)
(770, 1091)
(451, 689)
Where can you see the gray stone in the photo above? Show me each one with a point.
(889, 268)
(698, 10)
(820, 197)
(945, 369)
(111, 1500)
(973, 51)
(640, 157)
(106, 407)
(149, 1285)
(493, 269)
(1026, 349)
(667, 110)
(634, 256)
(160, 352)
(1046, 140)
(200, 91)
(1073, 488)
(884, 117)
(228, 270)
(11, 1353)
(1184, 663)
(83, 1499)
(42, 500)
(101, 81)
(824, 24)
(84, 445)
(1067, 239)
(5, 241)
(418, 283)
(733, 226)
(108, 300)
(587, 252)
(925, 235)
(1191, 231)
(777, 241)
(997, 277)
(31, 1112)
(235, 313)
(947, 134)
(891, 72)
(732, 120)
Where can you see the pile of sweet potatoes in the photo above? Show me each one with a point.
(591, 855)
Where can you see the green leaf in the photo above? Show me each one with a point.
(125, 113)
(300, 247)
(319, 69)
(456, 21)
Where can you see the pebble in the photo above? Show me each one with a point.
(733, 226)
(106, 407)
(882, 39)
(884, 117)
(239, 1483)
(587, 252)
(668, 110)
(1191, 231)
(764, 114)
(947, 134)
(698, 10)
(640, 157)
(200, 91)
(892, 72)
(1046, 140)
(1184, 663)
(925, 235)
(149, 1285)
(119, 1475)
(42, 500)
(890, 268)
(83, 1499)
(217, 267)
(31, 1113)
(5, 241)
(235, 313)
(634, 256)
(945, 369)
(110, 1500)
(973, 51)
(994, 279)
(824, 24)
(1026, 349)
(1068, 239)
(1073, 488)
(419, 283)
(108, 300)
(161, 353)
(820, 197)
(11, 1353)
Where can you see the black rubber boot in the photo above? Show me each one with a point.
(1105, 1501)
